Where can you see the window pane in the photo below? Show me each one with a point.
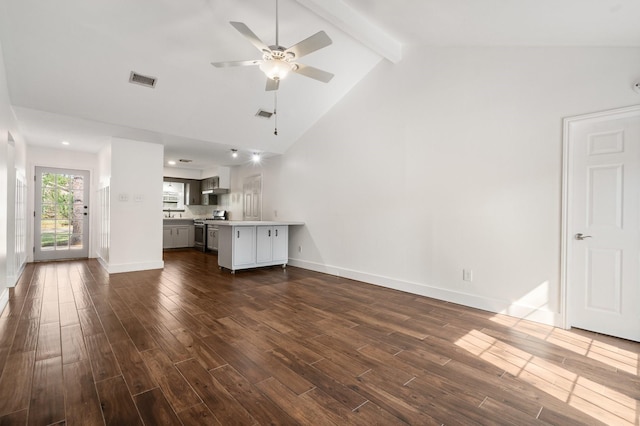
(62, 226)
(48, 225)
(63, 181)
(63, 211)
(62, 241)
(76, 241)
(78, 182)
(47, 240)
(64, 196)
(75, 226)
(48, 211)
(78, 195)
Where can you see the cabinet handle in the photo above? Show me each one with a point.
(238, 234)
(276, 232)
(269, 232)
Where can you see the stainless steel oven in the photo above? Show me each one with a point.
(202, 228)
(200, 235)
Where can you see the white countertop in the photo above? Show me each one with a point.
(250, 222)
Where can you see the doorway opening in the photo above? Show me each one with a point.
(61, 228)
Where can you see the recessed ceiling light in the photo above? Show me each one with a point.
(65, 143)
(234, 153)
(256, 157)
(171, 163)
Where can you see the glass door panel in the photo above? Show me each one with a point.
(62, 210)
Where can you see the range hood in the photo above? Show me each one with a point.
(216, 191)
(212, 186)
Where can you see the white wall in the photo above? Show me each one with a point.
(450, 159)
(182, 173)
(12, 164)
(135, 229)
(4, 185)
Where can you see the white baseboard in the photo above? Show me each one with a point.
(4, 299)
(130, 267)
(537, 314)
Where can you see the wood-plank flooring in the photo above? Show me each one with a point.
(194, 345)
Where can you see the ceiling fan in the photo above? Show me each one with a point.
(278, 61)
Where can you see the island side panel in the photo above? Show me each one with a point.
(225, 247)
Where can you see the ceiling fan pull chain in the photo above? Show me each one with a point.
(275, 112)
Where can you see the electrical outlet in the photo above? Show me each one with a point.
(467, 275)
(275, 213)
(299, 249)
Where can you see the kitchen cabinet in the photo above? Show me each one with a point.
(208, 200)
(237, 247)
(212, 237)
(209, 184)
(192, 193)
(272, 244)
(177, 236)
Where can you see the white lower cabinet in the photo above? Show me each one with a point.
(242, 247)
(212, 238)
(281, 244)
(244, 251)
(272, 244)
(177, 236)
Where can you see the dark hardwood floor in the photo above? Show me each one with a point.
(194, 345)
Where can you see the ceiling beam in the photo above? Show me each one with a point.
(345, 18)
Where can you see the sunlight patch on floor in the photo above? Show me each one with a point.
(594, 399)
(617, 358)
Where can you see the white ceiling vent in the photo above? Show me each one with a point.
(143, 80)
(264, 114)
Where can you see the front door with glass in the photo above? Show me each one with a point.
(61, 227)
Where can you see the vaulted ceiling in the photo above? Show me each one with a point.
(68, 61)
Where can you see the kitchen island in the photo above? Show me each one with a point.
(252, 244)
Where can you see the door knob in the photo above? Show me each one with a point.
(582, 237)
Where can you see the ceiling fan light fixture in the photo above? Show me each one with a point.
(276, 69)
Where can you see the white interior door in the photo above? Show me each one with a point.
(252, 198)
(603, 223)
(61, 228)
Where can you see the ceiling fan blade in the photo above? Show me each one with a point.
(315, 73)
(272, 85)
(235, 63)
(311, 44)
(245, 31)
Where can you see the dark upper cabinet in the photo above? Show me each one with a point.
(192, 193)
